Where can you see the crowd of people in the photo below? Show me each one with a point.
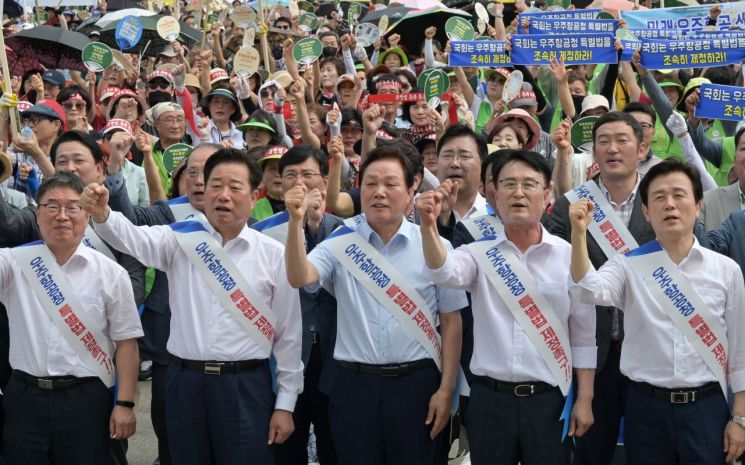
(336, 259)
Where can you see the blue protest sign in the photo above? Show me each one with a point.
(629, 48)
(573, 14)
(574, 49)
(478, 53)
(658, 34)
(716, 34)
(691, 53)
(128, 32)
(721, 102)
(685, 18)
(544, 25)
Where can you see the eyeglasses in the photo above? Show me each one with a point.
(193, 172)
(34, 120)
(306, 175)
(172, 120)
(153, 85)
(457, 156)
(528, 185)
(74, 105)
(54, 209)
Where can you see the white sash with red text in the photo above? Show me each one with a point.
(275, 226)
(183, 210)
(483, 226)
(606, 228)
(388, 286)
(227, 284)
(680, 301)
(54, 294)
(531, 309)
(92, 241)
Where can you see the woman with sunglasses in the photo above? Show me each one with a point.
(78, 109)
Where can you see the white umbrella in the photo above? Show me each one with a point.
(115, 16)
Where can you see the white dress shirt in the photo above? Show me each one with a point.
(654, 351)
(477, 209)
(501, 349)
(104, 293)
(367, 332)
(201, 328)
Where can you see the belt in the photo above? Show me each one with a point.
(390, 370)
(50, 383)
(523, 389)
(218, 368)
(678, 395)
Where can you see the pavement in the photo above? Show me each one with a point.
(143, 446)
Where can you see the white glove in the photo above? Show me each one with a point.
(179, 77)
(360, 53)
(243, 90)
(334, 126)
(676, 123)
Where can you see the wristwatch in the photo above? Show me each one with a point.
(128, 404)
(737, 419)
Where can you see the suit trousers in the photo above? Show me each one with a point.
(219, 419)
(379, 420)
(660, 433)
(57, 427)
(598, 445)
(504, 429)
(312, 407)
(158, 411)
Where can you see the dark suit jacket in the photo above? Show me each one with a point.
(560, 225)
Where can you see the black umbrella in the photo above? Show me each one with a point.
(411, 27)
(150, 38)
(114, 5)
(12, 9)
(394, 15)
(53, 47)
(88, 25)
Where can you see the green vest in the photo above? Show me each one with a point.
(262, 209)
(715, 132)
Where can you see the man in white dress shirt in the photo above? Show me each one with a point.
(73, 324)
(389, 401)
(232, 308)
(524, 351)
(685, 332)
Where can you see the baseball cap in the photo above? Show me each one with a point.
(117, 124)
(591, 102)
(526, 97)
(272, 153)
(53, 77)
(344, 78)
(160, 74)
(47, 108)
(692, 85)
(504, 72)
(109, 92)
(168, 51)
(218, 74)
(255, 123)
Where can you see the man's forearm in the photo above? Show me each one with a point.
(295, 256)
(434, 251)
(452, 335)
(580, 259)
(127, 365)
(585, 383)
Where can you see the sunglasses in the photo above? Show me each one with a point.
(153, 85)
(74, 105)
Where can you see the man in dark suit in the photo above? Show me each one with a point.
(618, 146)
